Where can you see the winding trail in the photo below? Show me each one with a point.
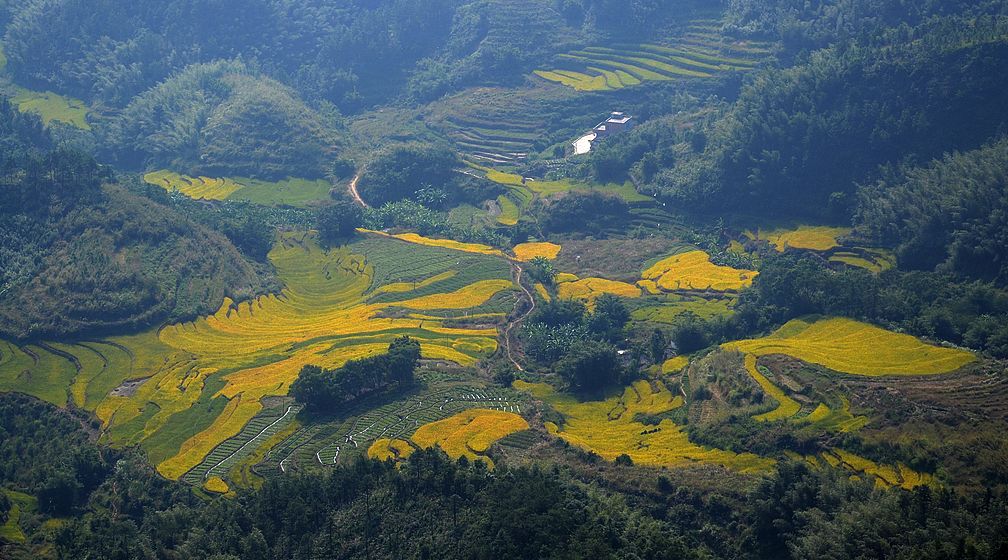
(352, 188)
(510, 326)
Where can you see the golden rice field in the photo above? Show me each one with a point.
(198, 188)
(589, 289)
(385, 449)
(848, 346)
(786, 406)
(836, 420)
(51, 107)
(562, 277)
(529, 251)
(292, 191)
(609, 428)
(204, 380)
(216, 485)
(469, 433)
(674, 365)
(694, 271)
(542, 292)
(812, 238)
(478, 248)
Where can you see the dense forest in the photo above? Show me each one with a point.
(79, 253)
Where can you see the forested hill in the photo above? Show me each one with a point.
(78, 253)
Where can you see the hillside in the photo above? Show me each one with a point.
(484, 279)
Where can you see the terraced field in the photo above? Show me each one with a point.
(855, 348)
(199, 384)
(700, 52)
(590, 289)
(386, 424)
(290, 191)
(693, 270)
(529, 251)
(611, 428)
(824, 240)
(470, 433)
(51, 107)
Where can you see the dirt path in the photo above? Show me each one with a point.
(510, 326)
(353, 191)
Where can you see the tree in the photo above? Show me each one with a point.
(690, 333)
(610, 317)
(659, 345)
(590, 366)
(337, 221)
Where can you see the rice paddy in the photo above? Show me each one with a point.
(529, 251)
(478, 248)
(848, 346)
(290, 191)
(52, 107)
(693, 270)
(470, 433)
(611, 428)
(699, 52)
(674, 365)
(786, 406)
(812, 238)
(589, 289)
(201, 384)
(385, 449)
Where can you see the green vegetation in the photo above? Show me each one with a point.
(222, 119)
(696, 53)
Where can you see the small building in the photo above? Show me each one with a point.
(617, 123)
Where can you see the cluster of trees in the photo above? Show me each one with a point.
(80, 255)
(951, 215)
(431, 175)
(222, 119)
(322, 390)
(578, 345)
(800, 139)
(591, 213)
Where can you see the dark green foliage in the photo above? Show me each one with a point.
(323, 390)
(414, 216)
(559, 312)
(222, 119)
(338, 220)
(590, 366)
(348, 53)
(429, 175)
(799, 138)
(591, 213)
(540, 269)
(76, 255)
(5, 507)
(31, 436)
(659, 346)
(950, 215)
(609, 318)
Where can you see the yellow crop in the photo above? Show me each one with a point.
(403, 287)
(609, 428)
(674, 365)
(469, 433)
(445, 243)
(321, 318)
(848, 346)
(529, 251)
(814, 238)
(589, 289)
(384, 449)
(194, 187)
(216, 485)
(470, 296)
(563, 277)
(694, 271)
(543, 293)
(786, 408)
(885, 475)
